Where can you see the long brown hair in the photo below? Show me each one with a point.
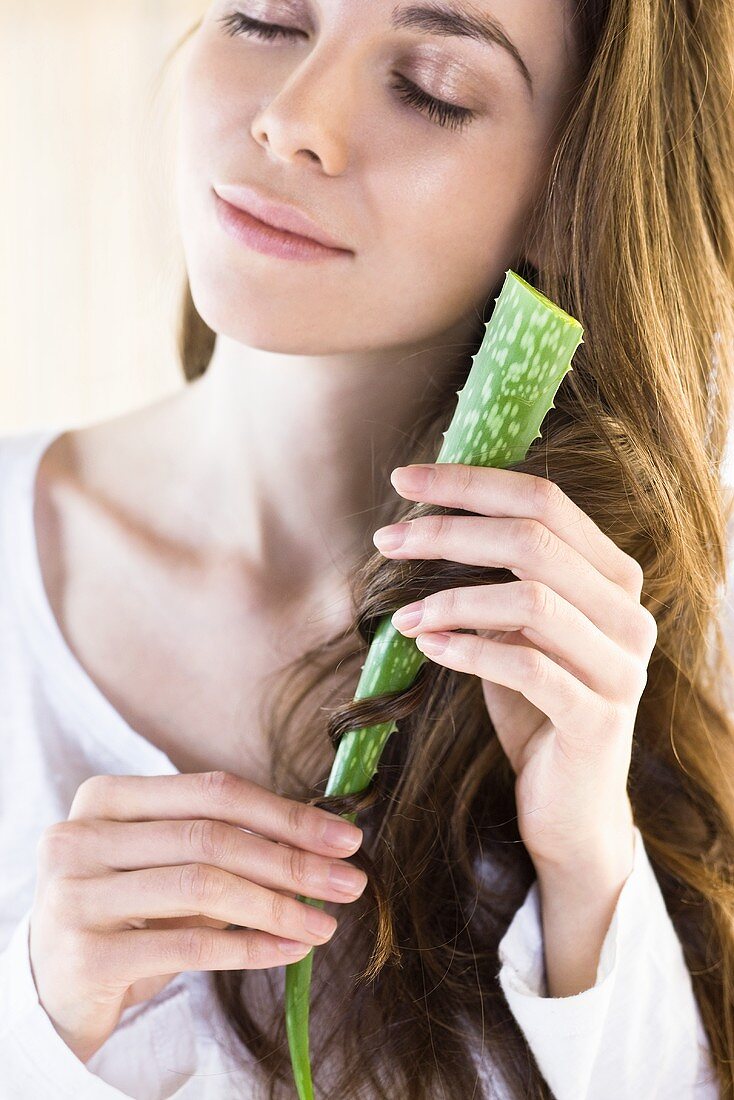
(638, 219)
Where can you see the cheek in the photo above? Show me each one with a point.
(449, 229)
(218, 91)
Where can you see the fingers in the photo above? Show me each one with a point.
(532, 552)
(512, 493)
(567, 702)
(96, 846)
(112, 902)
(546, 619)
(145, 953)
(217, 794)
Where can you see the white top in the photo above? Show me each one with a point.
(636, 1032)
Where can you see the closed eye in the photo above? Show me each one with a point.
(237, 23)
(445, 114)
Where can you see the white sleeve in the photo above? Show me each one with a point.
(36, 1062)
(637, 1031)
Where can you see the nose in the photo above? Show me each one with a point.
(310, 116)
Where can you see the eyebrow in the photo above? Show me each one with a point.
(444, 20)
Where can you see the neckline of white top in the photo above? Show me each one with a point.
(78, 695)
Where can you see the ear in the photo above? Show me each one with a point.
(537, 245)
(530, 251)
(532, 257)
(538, 254)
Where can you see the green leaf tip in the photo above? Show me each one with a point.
(526, 351)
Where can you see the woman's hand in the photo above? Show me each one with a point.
(562, 653)
(143, 878)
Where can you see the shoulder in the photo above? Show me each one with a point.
(17, 446)
(20, 455)
(31, 462)
(94, 465)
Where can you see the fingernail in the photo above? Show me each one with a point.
(416, 478)
(390, 538)
(340, 834)
(433, 643)
(318, 922)
(346, 878)
(408, 617)
(293, 947)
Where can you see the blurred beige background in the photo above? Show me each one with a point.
(90, 260)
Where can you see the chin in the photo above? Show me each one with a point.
(280, 326)
(275, 329)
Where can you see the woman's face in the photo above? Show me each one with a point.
(325, 118)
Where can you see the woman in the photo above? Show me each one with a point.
(550, 899)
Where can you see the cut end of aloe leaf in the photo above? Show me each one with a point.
(547, 303)
(526, 351)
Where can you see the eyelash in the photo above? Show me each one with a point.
(445, 114)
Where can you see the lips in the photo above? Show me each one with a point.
(277, 214)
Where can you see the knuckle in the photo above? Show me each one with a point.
(535, 598)
(648, 630)
(435, 528)
(296, 866)
(56, 843)
(545, 541)
(532, 537)
(640, 629)
(297, 817)
(611, 712)
(467, 478)
(277, 913)
(89, 787)
(208, 839)
(219, 787)
(546, 497)
(449, 604)
(636, 571)
(253, 948)
(634, 574)
(195, 947)
(199, 884)
(92, 793)
(567, 687)
(531, 664)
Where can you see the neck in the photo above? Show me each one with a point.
(293, 453)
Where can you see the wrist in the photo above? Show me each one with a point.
(598, 862)
(577, 904)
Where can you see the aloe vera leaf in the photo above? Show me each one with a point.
(524, 356)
